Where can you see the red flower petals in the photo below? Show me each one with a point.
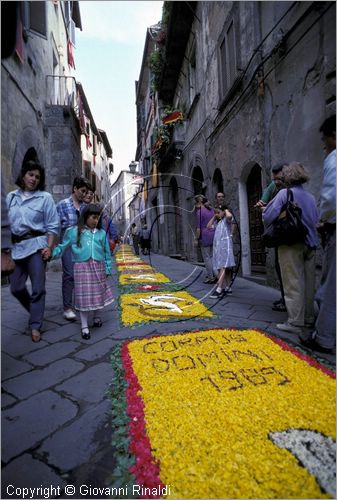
(146, 469)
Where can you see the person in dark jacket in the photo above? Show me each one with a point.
(145, 240)
(268, 194)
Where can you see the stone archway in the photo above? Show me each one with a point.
(28, 146)
(251, 227)
(198, 184)
(217, 182)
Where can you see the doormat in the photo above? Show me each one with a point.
(222, 414)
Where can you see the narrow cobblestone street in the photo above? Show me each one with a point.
(55, 394)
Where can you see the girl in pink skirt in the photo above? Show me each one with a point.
(92, 264)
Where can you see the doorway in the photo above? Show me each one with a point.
(257, 250)
(217, 183)
(198, 181)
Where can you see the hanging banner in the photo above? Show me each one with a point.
(154, 174)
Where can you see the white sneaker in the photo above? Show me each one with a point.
(69, 315)
(287, 327)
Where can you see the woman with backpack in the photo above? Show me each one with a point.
(297, 260)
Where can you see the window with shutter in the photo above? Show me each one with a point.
(35, 17)
(192, 75)
(228, 58)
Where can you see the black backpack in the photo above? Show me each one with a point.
(288, 228)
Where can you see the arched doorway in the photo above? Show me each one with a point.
(198, 181)
(257, 250)
(217, 182)
(174, 219)
(28, 147)
(31, 154)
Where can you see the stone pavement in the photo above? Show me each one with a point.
(55, 403)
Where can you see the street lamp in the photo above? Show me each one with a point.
(133, 166)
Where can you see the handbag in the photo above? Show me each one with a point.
(288, 228)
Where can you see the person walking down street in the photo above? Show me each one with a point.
(145, 242)
(135, 237)
(223, 256)
(89, 197)
(268, 194)
(69, 212)
(34, 225)
(110, 231)
(204, 235)
(92, 264)
(323, 338)
(297, 261)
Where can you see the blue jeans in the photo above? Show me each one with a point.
(326, 296)
(35, 268)
(67, 279)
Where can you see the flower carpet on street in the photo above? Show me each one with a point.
(223, 414)
(160, 306)
(147, 295)
(142, 277)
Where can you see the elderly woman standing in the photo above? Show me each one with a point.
(34, 225)
(297, 261)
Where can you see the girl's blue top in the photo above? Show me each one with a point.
(93, 245)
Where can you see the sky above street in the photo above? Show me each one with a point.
(108, 57)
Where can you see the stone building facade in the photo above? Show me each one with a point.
(123, 192)
(38, 93)
(45, 114)
(253, 81)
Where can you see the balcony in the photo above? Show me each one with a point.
(173, 150)
(61, 91)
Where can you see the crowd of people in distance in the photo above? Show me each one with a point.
(36, 230)
(140, 237)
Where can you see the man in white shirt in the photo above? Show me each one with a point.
(323, 339)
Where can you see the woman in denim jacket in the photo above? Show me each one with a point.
(34, 225)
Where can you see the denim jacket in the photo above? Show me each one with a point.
(38, 213)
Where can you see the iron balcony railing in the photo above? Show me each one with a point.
(62, 91)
